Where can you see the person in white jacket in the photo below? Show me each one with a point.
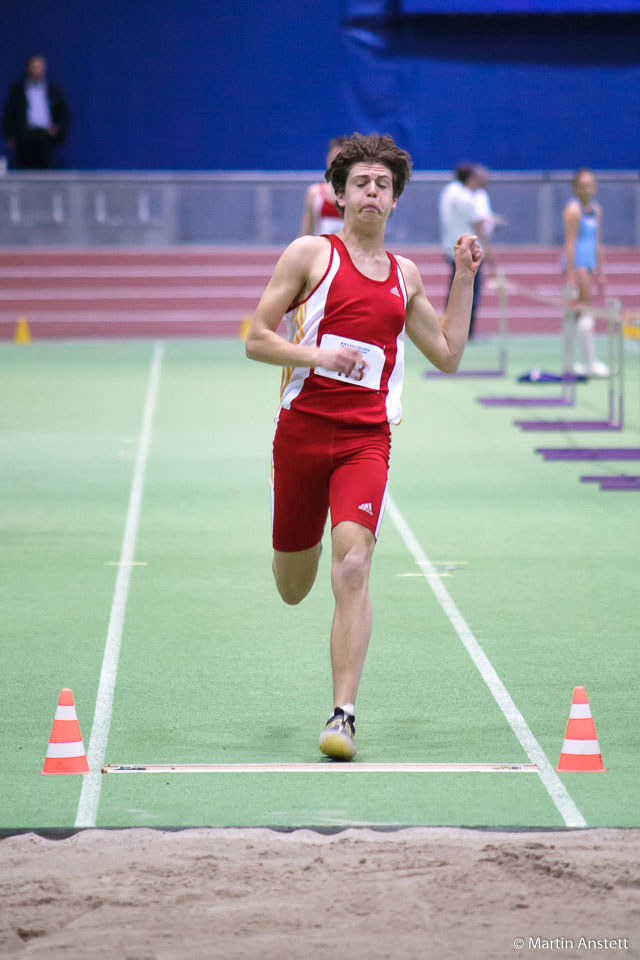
(459, 216)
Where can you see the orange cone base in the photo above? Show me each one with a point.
(66, 765)
(581, 763)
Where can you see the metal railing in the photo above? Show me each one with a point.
(71, 208)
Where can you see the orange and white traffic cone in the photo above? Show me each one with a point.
(580, 750)
(65, 753)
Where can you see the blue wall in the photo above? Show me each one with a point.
(258, 84)
(518, 93)
(195, 85)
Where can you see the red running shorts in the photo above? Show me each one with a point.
(321, 465)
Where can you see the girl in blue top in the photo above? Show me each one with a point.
(582, 218)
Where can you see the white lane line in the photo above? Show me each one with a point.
(553, 785)
(90, 795)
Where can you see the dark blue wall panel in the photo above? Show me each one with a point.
(156, 84)
(517, 92)
(519, 6)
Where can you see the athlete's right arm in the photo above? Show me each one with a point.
(301, 266)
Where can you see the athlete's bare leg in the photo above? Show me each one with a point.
(584, 282)
(295, 572)
(352, 546)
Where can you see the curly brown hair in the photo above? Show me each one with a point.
(372, 148)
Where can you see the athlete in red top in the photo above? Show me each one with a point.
(348, 304)
(320, 213)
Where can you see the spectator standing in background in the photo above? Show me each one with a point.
(35, 118)
(487, 218)
(458, 216)
(321, 215)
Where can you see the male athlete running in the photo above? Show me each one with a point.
(347, 304)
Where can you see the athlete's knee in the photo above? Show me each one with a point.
(294, 581)
(351, 570)
(291, 592)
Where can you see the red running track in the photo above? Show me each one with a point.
(207, 292)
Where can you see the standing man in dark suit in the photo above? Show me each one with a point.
(35, 117)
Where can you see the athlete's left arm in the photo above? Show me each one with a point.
(442, 340)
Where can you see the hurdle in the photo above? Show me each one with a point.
(608, 482)
(621, 481)
(499, 283)
(567, 395)
(589, 453)
(615, 418)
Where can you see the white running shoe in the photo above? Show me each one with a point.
(598, 369)
(579, 369)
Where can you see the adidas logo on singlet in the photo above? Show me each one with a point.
(395, 291)
(367, 507)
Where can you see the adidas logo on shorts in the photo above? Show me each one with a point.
(367, 507)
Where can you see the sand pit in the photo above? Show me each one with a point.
(442, 893)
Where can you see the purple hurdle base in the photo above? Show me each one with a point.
(464, 373)
(524, 402)
(589, 453)
(621, 483)
(535, 401)
(605, 478)
(567, 425)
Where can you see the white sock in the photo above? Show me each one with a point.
(586, 325)
(349, 708)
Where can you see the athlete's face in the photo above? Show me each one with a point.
(585, 187)
(368, 192)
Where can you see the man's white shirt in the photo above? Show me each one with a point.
(484, 211)
(458, 215)
(38, 110)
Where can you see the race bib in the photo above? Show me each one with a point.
(367, 374)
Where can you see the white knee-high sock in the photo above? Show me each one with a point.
(586, 326)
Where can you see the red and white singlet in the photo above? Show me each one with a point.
(347, 308)
(326, 216)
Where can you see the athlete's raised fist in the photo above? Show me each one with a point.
(467, 253)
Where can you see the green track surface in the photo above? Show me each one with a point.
(214, 668)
